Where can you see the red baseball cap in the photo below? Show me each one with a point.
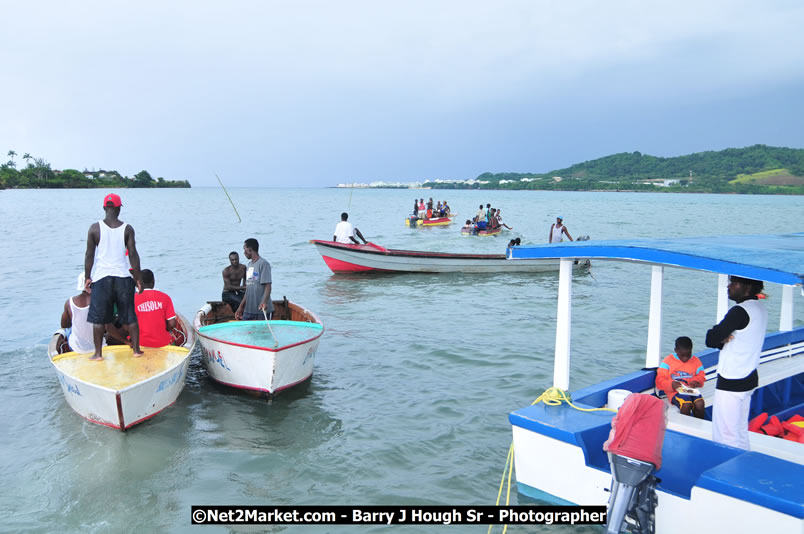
(112, 199)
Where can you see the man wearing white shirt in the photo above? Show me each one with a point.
(345, 232)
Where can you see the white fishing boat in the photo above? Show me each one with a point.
(264, 357)
(703, 485)
(343, 258)
(121, 391)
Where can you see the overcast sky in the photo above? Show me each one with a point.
(313, 93)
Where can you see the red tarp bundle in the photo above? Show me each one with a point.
(637, 431)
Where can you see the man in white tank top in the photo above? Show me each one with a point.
(739, 336)
(74, 317)
(557, 231)
(110, 251)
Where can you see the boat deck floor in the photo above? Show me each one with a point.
(119, 369)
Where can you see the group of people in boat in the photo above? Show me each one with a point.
(430, 210)
(487, 218)
(117, 302)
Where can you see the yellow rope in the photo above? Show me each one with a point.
(552, 396)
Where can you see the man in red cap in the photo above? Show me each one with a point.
(110, 262)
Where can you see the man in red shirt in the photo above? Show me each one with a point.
(155, 313)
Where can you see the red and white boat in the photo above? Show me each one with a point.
(434, 221)
(252, 355)
(342, 258)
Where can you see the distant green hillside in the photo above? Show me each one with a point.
(37, 174)
(757, 169)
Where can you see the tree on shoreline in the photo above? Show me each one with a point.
(38, 174)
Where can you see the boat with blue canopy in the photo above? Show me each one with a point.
(558, 450)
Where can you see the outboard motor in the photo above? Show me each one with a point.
(634, 448)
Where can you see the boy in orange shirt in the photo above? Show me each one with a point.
(682, 369)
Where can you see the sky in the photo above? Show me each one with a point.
(316, 93)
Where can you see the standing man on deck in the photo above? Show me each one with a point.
(739, 336)
(234, 282)
(258, 285)
(107, 273)
(557, 231)
(345, 232)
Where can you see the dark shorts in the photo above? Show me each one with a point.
(233, 298)
(107, 292)
(681, 399)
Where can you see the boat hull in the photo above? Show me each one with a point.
(263, 369)
(342, 258)
(483, 233)
(436, 221)
(558, 452)
(122, 407)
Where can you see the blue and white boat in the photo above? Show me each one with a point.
(703, 485)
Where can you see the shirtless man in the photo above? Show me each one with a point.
(106, 269)
(234, 282)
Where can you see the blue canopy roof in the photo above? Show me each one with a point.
(771, 258)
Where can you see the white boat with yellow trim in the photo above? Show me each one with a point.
(121, 391)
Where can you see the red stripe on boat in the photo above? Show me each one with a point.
(339, 266)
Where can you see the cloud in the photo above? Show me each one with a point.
(325, 91)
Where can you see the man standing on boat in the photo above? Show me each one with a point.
(557, 231)
(345, 232)
(110, 262)
(258, 285)
(739, 336)
(234, 282)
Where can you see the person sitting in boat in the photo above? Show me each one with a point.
(439, 209)
(557, 231)
(155, 313)
(234, 282)
(492, 221)
(345, 232)
(77, 331)
(445, 209)
(680, 372)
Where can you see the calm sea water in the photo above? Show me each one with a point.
(415, 374)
